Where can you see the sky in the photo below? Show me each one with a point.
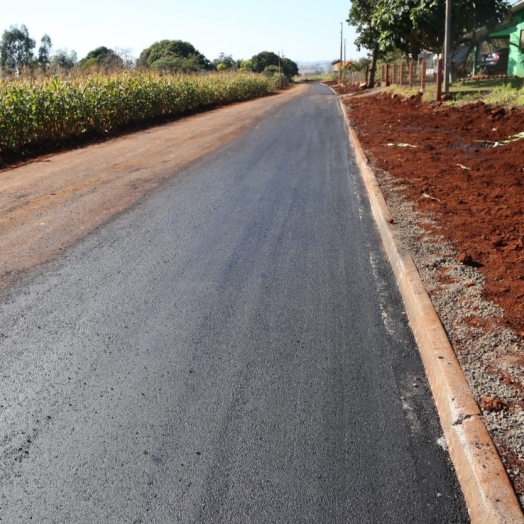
(305, 30)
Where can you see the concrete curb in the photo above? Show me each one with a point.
(489, 496)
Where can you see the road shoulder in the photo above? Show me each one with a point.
(48, 205)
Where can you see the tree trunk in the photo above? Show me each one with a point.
(371, 80)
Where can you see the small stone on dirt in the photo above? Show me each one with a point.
(465, 259)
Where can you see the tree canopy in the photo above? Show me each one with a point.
(101, 56)
(266, 61)
(173, 55)
(368, 36)
(16, 49)
(414, 25)
(262, 60)
(64, 58)
(224, 62)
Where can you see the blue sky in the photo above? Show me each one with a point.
(306, 30)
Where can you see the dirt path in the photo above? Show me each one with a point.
(49, 204)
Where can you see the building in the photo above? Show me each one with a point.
(512, 32)
(335, 65)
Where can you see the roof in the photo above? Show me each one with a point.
(484, 31)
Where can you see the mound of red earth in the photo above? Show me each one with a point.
(460, 164)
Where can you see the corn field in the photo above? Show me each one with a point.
(55, 109)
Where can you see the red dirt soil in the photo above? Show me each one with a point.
(475, 190)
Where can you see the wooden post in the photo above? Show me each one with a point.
(401, 74)
(438, 96)
(383, 75)
(387, 75)
(411, 74)
(423, 75)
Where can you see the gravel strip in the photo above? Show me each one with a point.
(487, 352)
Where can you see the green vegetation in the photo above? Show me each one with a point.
(16, 51)
(101, 57)
(55, 109)
(225, 63)
(270, 63)
(507, 92)
(317, 78)
(502, 95)
(173, 55)
(410, 26)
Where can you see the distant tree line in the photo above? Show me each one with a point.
(18, 53)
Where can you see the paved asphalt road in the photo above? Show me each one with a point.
(232, 349)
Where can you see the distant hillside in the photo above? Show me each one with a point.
(314, 68)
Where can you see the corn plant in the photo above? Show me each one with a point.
(35, 111)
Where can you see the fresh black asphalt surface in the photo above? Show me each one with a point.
(231, 349)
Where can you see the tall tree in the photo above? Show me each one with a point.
(103, 57)
(225, 62)
(413, 25)
(16, 49)
(64, 58)
(289, 68)
(263, 60)
(173, 55)
(368, 36)
(44, 52)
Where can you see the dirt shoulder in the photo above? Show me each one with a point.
(49, 204)
(453, 185)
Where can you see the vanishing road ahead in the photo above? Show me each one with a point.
(231, 348)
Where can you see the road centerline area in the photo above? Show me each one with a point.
(219, 352)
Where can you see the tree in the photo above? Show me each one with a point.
(16, 49)
(413, 25)
(173, 53)
(245, 65)
(224, 62)
(64, 59)
(267, 59)
(175, 64)
(290, 68)
(44, 52)
(272, 70)
(102, 57)
(361, 64)
(368, 36)
(264, 59)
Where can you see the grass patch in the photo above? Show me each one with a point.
(315, 78)
(506, 96)
(507, 92)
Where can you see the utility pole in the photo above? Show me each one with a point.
(340, 63)
(447, 47)
(344, 50)
(279, 73)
